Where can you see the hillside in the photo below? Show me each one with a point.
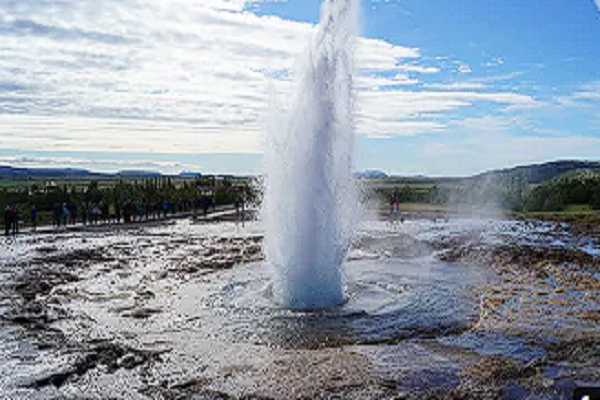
(12, 173)
(540, 173)
(576, 187)
(532, 174)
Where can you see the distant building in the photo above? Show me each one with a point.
(49, 185)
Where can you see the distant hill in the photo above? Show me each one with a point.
(12, 173)
(138, 174)
(7, 172)
(187, 174)
(372, 174)
(540, 173)
(533, 174)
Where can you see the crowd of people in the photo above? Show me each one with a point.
(92, 213)
(121, 202)
(12, 216)
(394, 202)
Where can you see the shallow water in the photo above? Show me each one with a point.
(170, 289)
(489, 231)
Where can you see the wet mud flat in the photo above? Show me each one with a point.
(548, 299)
(462, 310)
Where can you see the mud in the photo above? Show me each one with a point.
(549, 297)
(182, 310)
(504, 257)
(109, 356)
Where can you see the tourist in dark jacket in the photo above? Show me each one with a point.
(7, 219)
(16, 216)
(33, 215)
(57, 214)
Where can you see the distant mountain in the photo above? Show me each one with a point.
(7, 172)
(533, 174)
(13, 173)
(540, 173)
(138, 174)
(372, 174)
(187, 174)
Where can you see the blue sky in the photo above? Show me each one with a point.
(445, 87)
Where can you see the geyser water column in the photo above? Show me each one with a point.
(310, 197)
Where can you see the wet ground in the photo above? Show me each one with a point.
(182, 309)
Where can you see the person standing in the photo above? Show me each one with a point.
(7, 219)
(237, 205)
(65, 214)
(73, 212)
(56, 213)
(15, 220)
(33, 215)
(84, 213)
(104, 211)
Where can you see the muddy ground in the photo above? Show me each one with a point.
(535, 334)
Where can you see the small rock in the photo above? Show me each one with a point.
(142, 312)
(547, 383)
(161, 275)
(129, 361)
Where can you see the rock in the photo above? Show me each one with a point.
(142, 312)
(130, 361)
(194, 383)
(162, 274)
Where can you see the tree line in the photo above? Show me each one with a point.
(556, 195)
(123, 200)
(511, 193)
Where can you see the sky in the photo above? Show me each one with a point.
(444, 87)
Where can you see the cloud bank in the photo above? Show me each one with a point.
(197, 76)
(183, 76)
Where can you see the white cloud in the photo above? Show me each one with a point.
(482, 152)
(590, 91)
(124, 135)
(454, 86)
(493, 123)
(374, 82)
(464, 69)
(418, 69)
(378, 55)
(106, 165)
(189, 66)
(407, 113)
(187, 76)
(507, 77)
(597, 4)
(495, 62)
(587, 95)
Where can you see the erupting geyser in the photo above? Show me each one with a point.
(310, 200)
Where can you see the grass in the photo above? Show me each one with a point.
(10, 184)
(579, 208)
(574, 213)
(423, 207)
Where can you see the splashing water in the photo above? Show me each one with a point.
(310, 202)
